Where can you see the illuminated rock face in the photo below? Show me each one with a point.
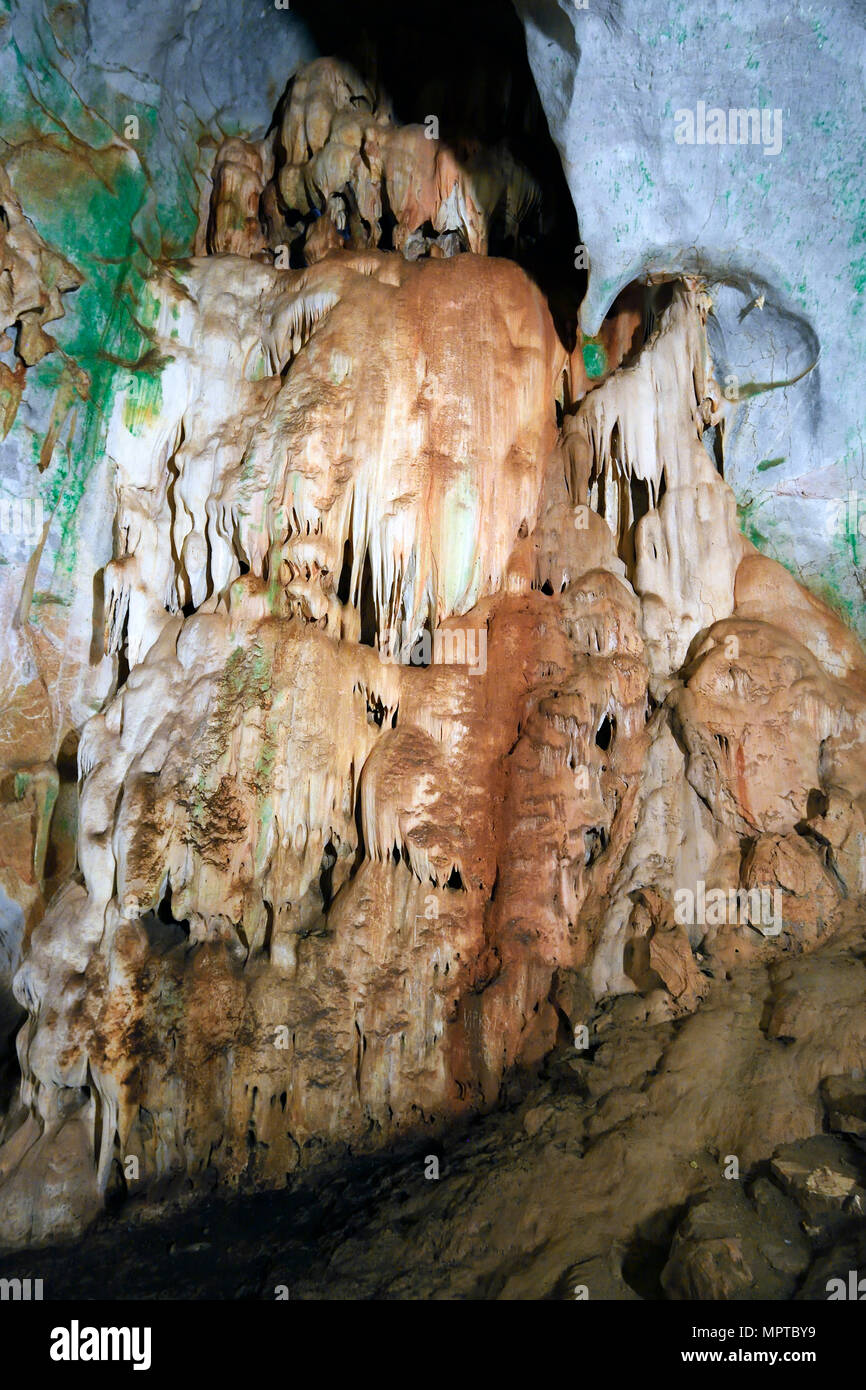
(311, 424)
(36, 682)
(340, 156)
(740, 198)
(435, 721)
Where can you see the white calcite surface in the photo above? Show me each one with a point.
(417, 678)
(773, 224)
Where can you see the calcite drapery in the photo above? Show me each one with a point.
(36, 684)
(368, 453)
(338, 155)
(332, 890)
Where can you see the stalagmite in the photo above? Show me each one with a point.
(443, 678)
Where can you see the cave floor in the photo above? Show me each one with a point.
(582, 1180)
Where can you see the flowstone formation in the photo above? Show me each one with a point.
(451, 714)
(736, 171)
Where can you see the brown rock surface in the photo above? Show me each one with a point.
(440, 766)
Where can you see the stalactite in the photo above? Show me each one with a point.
(442, 669)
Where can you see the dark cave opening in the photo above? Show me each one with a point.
(178, 929)
(482, 92)
(605, 732)
(375, 711)
(648, 1252)
(344, 585)
(122, 662)
(60, 852)
(10, 1072)
(367, 606)
(326, 875)
(817, 803)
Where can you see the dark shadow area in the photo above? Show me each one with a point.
(648, 1251)
(12, 1017)
(244, 1245)
(466, 64)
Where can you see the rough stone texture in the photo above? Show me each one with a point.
(778, 236)
(606, 1175)
(99, 200)
(421, 681)
(729, 1247)
(287, 828)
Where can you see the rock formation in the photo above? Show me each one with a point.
(340, 156)
(741, 198)
(451, 721)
